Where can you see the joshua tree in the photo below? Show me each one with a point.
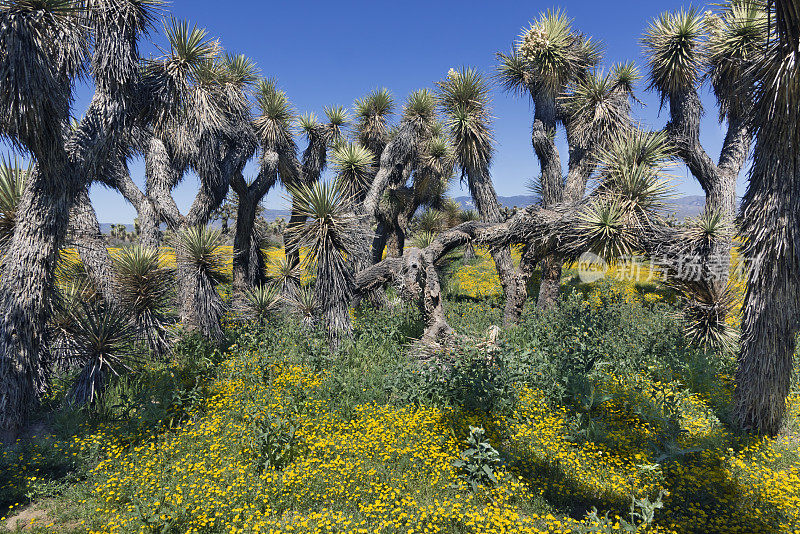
(144, 288)
(331, 234)
(320, 138)
(44, 47)
(683, 48)
(464, 98)
(430, 180)
(769, 226)
(100, 345)
(400, 153)
(273, 129)
(621, 216)
(556, 67)
(213, 136)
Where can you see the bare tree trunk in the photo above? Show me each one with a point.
(242, 241)
(718, 181)
(149, 222)
(91, 247)
(248, 265)
(379, 242)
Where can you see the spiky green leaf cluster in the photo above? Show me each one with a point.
(632, 191)
(736, 38)
(331, 235)
(144, 285)
(372, 114)
(273, 123)
(281, 273)
(101, 340)
(261, 302)
(202, 248)
(464, 96)
(706, 309)
(354, 168)
(674, 44)
(597, 105)
(709, 227)
(420, 108)
(551, 53)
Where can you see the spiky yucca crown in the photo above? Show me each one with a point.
(354, 166)
(201, 246)
(632, 190)
(274, 122)
(674, 44)
(554, 53)
(736, 39)
(464, 98)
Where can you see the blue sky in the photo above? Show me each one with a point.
(329, 53)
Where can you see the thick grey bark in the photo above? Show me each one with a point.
(771, 232)
(543, 134)
(149, 220)
(161, 176)
(545, 233)
(245, 258)
(485, 198)
(27, 291)
(395, 164)
(65, 168)
(91, 247)
(543, 140)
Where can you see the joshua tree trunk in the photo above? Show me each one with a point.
(149, 220)
(542, 139)
(483, 193)
(244, 269)
(242, 241)
(395, 242)
(379, 242)
(550, 284)
(770, 319)
(771, 232)
(26, 290)
(91, 247)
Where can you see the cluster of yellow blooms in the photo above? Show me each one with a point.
(390, 469)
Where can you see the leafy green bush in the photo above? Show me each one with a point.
(470, 378)
(478, 462)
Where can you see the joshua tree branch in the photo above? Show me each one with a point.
(683, 130)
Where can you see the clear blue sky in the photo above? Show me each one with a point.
(325, 53)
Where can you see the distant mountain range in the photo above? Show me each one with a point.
(682, 207)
